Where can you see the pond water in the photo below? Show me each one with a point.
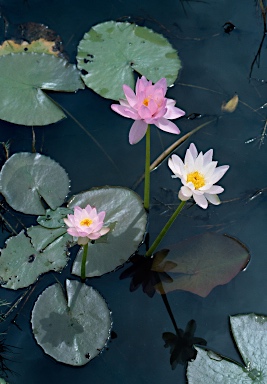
(218, 61)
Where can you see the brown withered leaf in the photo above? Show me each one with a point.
(37, 46)
(231, 105)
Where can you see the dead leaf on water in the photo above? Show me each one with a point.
(37, 46)
(231, 105)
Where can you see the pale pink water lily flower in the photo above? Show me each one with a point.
(86, 224)
(198, 174)
(148, 105)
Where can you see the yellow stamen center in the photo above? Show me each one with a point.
(146, 101)
(86, 222)
(196, 178)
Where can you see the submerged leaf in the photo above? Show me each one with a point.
(23, 78)
(21, 263)
(250, 334)
(123, 207)
(110, 52)
(73, 329)
(25, 178)
(203, 262)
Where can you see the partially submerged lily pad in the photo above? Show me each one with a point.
(74, 327)
(26, 178)
(24, 77)
(110, 52)
(123, 207)
(202, 262)
(21, 263)
(250, 334)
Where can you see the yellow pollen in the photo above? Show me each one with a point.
(86, 222)
(146, 101)
(196, 178)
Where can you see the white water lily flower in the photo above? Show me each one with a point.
(198, 175)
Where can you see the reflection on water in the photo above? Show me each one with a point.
(222, 48)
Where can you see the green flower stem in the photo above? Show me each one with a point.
(147, 170)
(85, 250)
(165, 229)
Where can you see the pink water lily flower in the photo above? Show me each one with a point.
(198, 174)
(86, 224)
(148, 105)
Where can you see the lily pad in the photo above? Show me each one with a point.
(123, 207)
(203, 262)
(27, 177)
(73, 329)
(250, 334)
(54, 219)
(41, 237)
(110, 52)
(37, 46)
(21, 263)
(24, 77)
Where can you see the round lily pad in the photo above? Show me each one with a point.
(127, 218)
(27, 177)
(23, 78)
(110, 52)
(74, 327)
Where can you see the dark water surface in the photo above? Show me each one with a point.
(216, 65)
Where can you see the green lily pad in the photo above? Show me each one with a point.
(73, 329)
(202, 262)
(123, 207)
(24, 77)
(21, 263)
(250, 334)
(41, 237)
(27, 177)
(54, 219)
(110, 52)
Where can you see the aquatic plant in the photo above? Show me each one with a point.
(86, 224)
(148, 105)
(198, 174)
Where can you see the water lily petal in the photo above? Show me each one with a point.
(125, 111)
(167, 126)
(186, 191)
(218, 173)
(199, 163)
(130, 95)
(104, 230)
(176, 165)
(207, 157)
(137, 131)
(162, 84)
(214, 189)
(200, 200)
(172, 111)
(193, 150)
(213, 199)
